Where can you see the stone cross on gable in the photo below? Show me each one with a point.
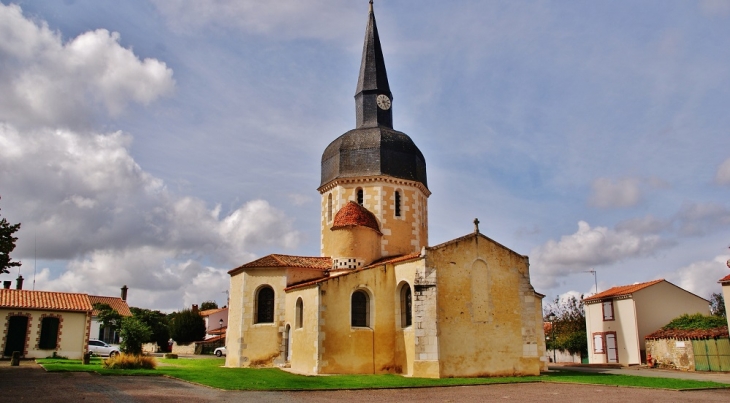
(476, 225)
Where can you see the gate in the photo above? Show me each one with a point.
(712, 354)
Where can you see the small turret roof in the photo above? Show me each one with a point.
(354, 215)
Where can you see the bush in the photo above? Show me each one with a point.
(696, 321)
(134, 333)
(171, 356)
(187, 326)
(129, 361)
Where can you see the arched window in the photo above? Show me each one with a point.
(329, 207)
(406, 306)
(360, 196)
(300, 313)
(360, 309)
(397, 203)
(265, 305)
(49, 333)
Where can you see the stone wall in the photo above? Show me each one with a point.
(672, 353)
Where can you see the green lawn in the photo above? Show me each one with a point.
(210, 372)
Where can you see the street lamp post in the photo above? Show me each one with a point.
(551, 318)
(220, 332)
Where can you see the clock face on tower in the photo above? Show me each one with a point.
(383, 102)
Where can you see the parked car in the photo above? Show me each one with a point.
(98, 347)
(220, 351)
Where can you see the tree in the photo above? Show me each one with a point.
(134, 334)
(717, 305)
(695, 321)
(108, 317)
(158, 324)
(7, 245)
(568, 327)
(187, 326)
(208, 305)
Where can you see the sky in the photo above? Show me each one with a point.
(159, 144)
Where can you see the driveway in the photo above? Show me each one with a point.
(720, 377)
(31, 383)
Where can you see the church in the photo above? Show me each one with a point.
(378, 299)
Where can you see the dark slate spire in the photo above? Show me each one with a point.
(372, 96)
(373, 148)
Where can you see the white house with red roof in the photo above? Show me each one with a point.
(40, 323)
(119, 304)
(619, 319)
(725, 283)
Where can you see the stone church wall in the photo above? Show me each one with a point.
(486, 310)
(304, 344)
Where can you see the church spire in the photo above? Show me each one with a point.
(372, 96)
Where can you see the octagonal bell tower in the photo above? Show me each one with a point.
(375, 166)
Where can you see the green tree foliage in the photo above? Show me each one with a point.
(158, 324)
(7, 245)
(208, 305)
(696, 321)
(568, 331)
(108, 317)
(717, 305)
(187, 326)
(134, 334)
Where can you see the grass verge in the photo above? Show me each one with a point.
(210, 373)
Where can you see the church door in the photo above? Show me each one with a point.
(17, 332)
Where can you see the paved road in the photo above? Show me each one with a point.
(721, 377)
(30, 383)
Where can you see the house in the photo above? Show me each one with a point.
(725, 283)
(39, 324)
(108, 335)
(619, 319)
(216, 322)
(378, 299)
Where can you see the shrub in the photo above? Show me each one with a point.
(696, 321)
(129, 361)
(187, 326)
(170, 355)
(134, 333)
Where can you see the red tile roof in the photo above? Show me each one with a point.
(622, 290)
(395, 259)
(354, 215)
(275, 260)
(725, 279)
(46, 300)
(116, 303)
(689, 334)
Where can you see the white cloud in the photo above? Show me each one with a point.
(586, 248)
(618, 193)
(45, 81)
(644, 225)
(696, 219)
(723, 173)
(701, 277)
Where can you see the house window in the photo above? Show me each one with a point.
(406, 306)
(360, 196)
(329, 207)
(360, 309)
(49, 333)
(608, 310)
(598, 344)
(300, 313)
(265, 305)
(397, 203)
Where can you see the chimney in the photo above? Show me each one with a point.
(124, 292)
(195, 308)
(19, 282)
(6, 284)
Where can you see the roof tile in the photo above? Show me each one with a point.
(56, 301)
(355, 215)
(275, 260)
(725, 279)
(622, 290)
(116, 303)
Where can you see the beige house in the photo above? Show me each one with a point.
(41, 323)
(118, 304)
(379, 299)
(619, 319)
